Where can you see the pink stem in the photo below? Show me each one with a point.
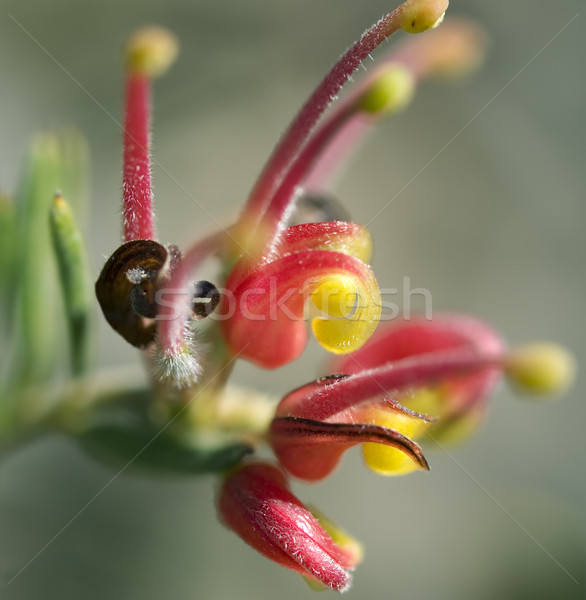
(331, 161)
(337, 136)
(314, 107)
(456, 44)
(175, 303)
(136, 174)
(323, 401)
(273, 220)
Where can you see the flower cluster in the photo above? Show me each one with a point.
(391, 389)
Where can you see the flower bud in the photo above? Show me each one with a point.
(255, 502)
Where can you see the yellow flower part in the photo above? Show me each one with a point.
(541, 369)
(151, 51)
(353, 307)
(421, 15)
(435, 402)
(390, 92)
(387, 460)
(426, 401)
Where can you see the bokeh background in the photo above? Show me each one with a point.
(489, 218)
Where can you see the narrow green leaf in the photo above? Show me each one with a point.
(75, 279)
(56, 161)
(37, 273)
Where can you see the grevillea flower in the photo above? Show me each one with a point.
(410, 380)
(414, 377)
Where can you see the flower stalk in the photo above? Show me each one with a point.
(414, 16)
(149, 53)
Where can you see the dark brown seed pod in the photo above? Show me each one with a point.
(127, 286)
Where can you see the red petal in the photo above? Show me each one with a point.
(327, 397)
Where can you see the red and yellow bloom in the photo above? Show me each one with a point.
(390, 390)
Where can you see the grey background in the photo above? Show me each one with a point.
(492, 225)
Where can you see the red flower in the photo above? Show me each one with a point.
(443, 368)
(321, 261)
(412, 379)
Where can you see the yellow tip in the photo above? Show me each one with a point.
(390, 92)
(542, 369)
(421, 15)
(353, 310)
(151, 51)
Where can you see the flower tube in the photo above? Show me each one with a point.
(255, 502)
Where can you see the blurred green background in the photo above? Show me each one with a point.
(488, 182)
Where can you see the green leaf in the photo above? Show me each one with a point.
(75, 281)
(127, 443)
(56, 161)
(37, 273)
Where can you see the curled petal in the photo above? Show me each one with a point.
(322, 393)
(255, 502)
(311, 449)
(333, 236)
(265, 323)
(336, 236)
